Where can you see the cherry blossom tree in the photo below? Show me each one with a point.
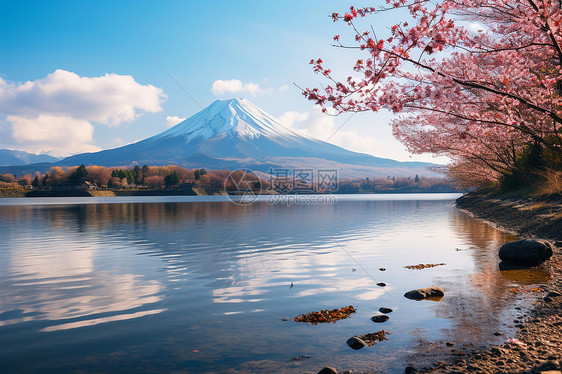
(479, 96)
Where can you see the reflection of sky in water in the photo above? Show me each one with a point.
(52, 275)
(205, 286)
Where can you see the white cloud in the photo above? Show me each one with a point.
(324, 127)
(283, 88)
(110, 99)
(364, 132)
(65, 106)
(291, 118)
(58, 136)
(173, 120)
(221, 87)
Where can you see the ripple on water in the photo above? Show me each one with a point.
(213, 287)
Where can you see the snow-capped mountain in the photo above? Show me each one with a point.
(233, 134)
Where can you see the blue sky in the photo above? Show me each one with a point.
(264, 45)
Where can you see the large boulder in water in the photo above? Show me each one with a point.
(526, 252)
(425, 293)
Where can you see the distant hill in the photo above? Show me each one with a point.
(233, 134)
(12, 157)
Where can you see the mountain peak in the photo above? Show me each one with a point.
(234, 133)
(235, 117)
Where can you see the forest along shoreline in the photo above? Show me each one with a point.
(537, 346)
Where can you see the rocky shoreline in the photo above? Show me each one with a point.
(537, 347)
(529, 217)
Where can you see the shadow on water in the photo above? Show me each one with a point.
(204, 287)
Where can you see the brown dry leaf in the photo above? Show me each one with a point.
(325, 316)
(423, 266)
(372, 339)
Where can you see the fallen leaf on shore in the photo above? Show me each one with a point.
(325, 316)
(514, 341)
(372, 339)
(423, 266)
(521, 289)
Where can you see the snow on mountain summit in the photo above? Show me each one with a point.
(235, 117)
(233, 134)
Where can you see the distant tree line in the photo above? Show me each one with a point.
(172, 176)
(154, 177)
(396, 184)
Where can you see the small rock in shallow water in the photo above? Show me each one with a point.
(380, 318)
(410, 369)
(328, 370)
(385, 310)
(382, 269)
(449, 344)
(424, 293)
(381, 284)
(553, 294)
(355, 343)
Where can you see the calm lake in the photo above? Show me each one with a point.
(202, 285)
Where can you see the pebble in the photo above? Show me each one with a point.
(385, 310)
(355, 343)
(328, 370)
(379, 318)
